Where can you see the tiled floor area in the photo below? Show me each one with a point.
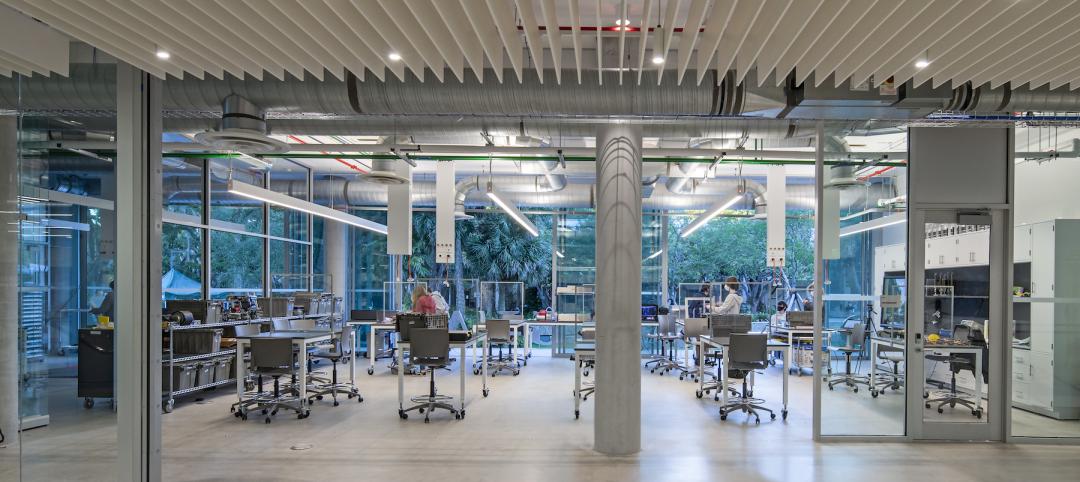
(526, 431)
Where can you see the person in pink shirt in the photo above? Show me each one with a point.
(422, 301)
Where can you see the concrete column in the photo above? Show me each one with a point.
(9, 298)
(336, 255)
(617, 429)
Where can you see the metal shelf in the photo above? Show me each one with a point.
(202, 387)
(187, 358)
(217, 325)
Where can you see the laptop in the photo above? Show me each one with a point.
(650, 312)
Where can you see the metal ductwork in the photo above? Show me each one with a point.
(90, 89)
(243, 129)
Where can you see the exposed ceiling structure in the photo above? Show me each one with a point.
(939, 42)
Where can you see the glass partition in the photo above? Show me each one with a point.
(864, 240)
(502, 300)
(236, 264)
(230, 211)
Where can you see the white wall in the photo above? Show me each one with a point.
(1050, 190)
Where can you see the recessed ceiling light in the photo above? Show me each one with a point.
(394, 56)
(921, 64)
(163, 55)
(657, 59)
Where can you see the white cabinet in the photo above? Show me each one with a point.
(1022, 244)
(973, 249)
(1041, 392)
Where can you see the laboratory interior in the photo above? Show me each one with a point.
(539, 240)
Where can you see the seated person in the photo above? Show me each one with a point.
(780, 317)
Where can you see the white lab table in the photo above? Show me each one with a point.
(583, 352)
(300, 339)
(792, 334)
(462, 346)
(721, 343)
(376, 326)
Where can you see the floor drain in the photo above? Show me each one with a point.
(301, 447)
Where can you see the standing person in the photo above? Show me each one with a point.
(422, 302)
(808, 303)
(733, 301)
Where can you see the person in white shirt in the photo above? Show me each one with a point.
(733, 301)
(780, 317)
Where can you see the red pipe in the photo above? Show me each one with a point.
(338, 159)
(876, 173)
(612, 28)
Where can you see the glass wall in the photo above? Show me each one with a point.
(370, 265)
(864, 249)
(652, 260)
(1045, 362)
(67, 252)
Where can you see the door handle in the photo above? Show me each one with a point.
(918, 343)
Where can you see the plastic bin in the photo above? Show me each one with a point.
(204, 373)
(183, 376)
(222, 368)
(196, 342)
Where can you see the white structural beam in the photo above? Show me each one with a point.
(397, 42)
(362, 31)
(575, 35)
(362, 57)
(734, 36)
(845, 20)
(879, 39)
(715, 26)
(34, 44)
(666, 36)
(816, 26)
(413, 31)
(790, 29)
(182, 42)
(1061, 38)
(251, 31)
(527, 12)
(324, 35)
(281, 24)
(480, 19)
(622, 39)
(503, 14)
(932, 29)
(764, 25)
(690, 34)
(554, 35)
(239, 42)
(427, 16)
(855, 37)
(458, 25)
(968, 44)
(643, 37)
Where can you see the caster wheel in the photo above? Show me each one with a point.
(421, 410)
(952, 404)
(525, 363)
(264, 411)
(267, 420)
(830, 387)
(485, 393)
(274, 413)
(336, 403)
(243, 416)
(699, 394)
(351, 395)
(928, 405)
(318, 397)
(723, 417)
(168, 407)
(577, 414)
(680, 379)
(427, 420)
(586, 373)
(457, 416)
(359, 399)
(88, 403)
(772, 416)
(370, 371)
(978, 414)
(403, 415)
(941, 410)
(516, 373)
(783, 415)
(463, 414)
(925, 395)
(750, 393)
(855, 390)
(874, 393)
(475, 371)
(662, 373)
(716, 398)
(757, 421)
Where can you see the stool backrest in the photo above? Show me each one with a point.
(247, 330)
(304, 324)
(282, 324)
(429, 345)
(271, 353)
(748, 348)
(498, 329)
(694, 327)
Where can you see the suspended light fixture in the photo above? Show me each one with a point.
(500, 199)
(257, 162)
(559, 254)
(282, 200)
(651, 256)
(713, 212)
(877, 223)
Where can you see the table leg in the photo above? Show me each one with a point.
(241, 368)
(701, 366)
(484, 373)
(577, 387)
(352, 355)
(513, 345)
(786, 386)
(528, 341)
(723, 380)
(978, 379)
(461, 365)
(303, 372)
(400, 377)
(873, 365)
(787, 357)
(371, 349)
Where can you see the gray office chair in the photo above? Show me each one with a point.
(250, 379)
(856, 343)
(337, 351)
(303, 324)
(667, 333)
(273, 357)
(957, 363)
(587, 335)
(746, 353)
(498, 334)
(282, 324)
(894, 378)
(430, 348)
(692, 328)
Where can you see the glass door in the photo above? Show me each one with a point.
(956, 301)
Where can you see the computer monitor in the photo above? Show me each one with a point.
(365, 315)
(725, 325)
(650, 312)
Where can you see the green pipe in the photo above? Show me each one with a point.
(422, 157)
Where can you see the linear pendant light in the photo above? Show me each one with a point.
(713, 212)
(512, 210)
(278, 199)
(876, 223)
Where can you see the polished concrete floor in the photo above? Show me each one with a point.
(526, 430)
